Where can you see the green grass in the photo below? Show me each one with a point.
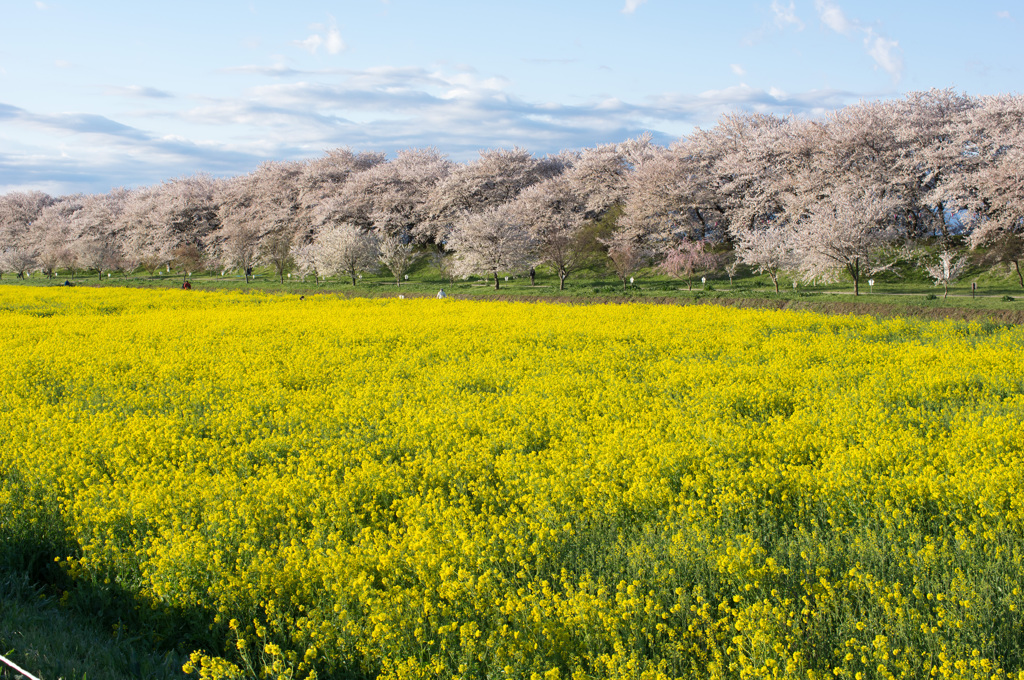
(57, 642)
(907, 292)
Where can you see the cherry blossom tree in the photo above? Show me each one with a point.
(188, 258)
(143, 238)
(731, 269)
(99, 231)
(185, 209)
(324, 179)
(55, 233)
(262, 202)
(303, 257)
(600, 177)
(240, 247)
(18, 211)
(996, 136)
(768, 251)
(276, 252)
(936, 160)
(627, 254)
(17, 261)
(659, 198)
(945, 268)
(392, 197)
(397, 254)
(495, 240)
(343, 249)
(494, 179)
(554, 211)
(850, 230)
(685, 258)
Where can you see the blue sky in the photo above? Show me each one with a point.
(95, 95)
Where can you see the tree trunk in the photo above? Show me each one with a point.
(1020, 277)
(496, 284)
(561, 280)
(775, 280)
(945, 290)
(353, 279)
(854, 270)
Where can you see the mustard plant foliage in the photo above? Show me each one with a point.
(424, 488)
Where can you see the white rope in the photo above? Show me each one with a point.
(17, 668)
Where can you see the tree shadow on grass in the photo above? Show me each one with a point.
(55, 627)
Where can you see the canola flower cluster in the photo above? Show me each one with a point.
(422, 488)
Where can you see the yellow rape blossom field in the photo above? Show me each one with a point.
(329, 488)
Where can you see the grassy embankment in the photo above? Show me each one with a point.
(996, 295)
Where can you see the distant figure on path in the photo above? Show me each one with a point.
(67, 283)
(440, 294)
(187, 285)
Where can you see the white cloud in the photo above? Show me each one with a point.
(885, 52)
(138, 91)
(41, 5)
(1004, 15)
(310, 44)
(335, 45)
(300, 114)
(738, 70)
(631, 6)
(832, 16)
(330, 39)
(786, 15)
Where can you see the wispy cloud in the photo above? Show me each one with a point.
(137, 91)
(737, 69)
(310, 44)
(832, 16)
(1004, 14)
(383, 109)
(327, 37)
(97, 153)
(71, 123)
(335, 45)
(632, 5)
(785, 15)
(885, 52)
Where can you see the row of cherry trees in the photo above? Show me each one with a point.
(849, 193)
